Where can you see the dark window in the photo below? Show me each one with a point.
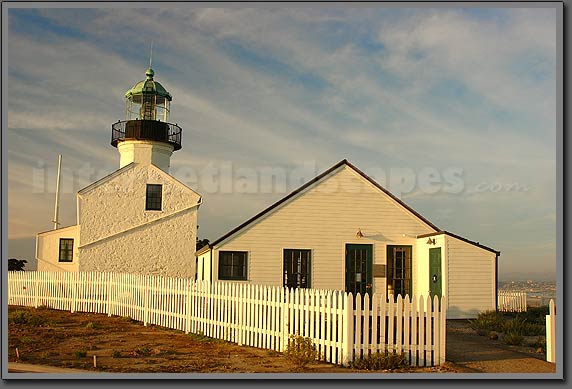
(297, 268)
(232, 265)
(399, 270)
(66, 250)
(154, 195)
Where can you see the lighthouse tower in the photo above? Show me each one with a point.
(146, 136)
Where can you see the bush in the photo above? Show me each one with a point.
(301, 351)
(80, 354)
(513, 339)
(116, 354)
(26, 318)
(536, 315)
(521, 327)
(92, 325)
(487, 321)
(141, 352)
(388, 360)
(540, 343)
(16, 264)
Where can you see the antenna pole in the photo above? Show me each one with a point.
(57, 207)
(151, 56)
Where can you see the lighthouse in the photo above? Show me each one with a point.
(138, 219)
(146, 136)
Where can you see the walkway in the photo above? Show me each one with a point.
(478, 354)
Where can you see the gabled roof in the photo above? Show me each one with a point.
(310, 183)
(57, 230)
(105, 179)
(173, 179)
(460, 238)
(128, 167)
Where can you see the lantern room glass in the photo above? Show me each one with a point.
(147, 106)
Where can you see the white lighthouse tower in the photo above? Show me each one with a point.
(146, 136)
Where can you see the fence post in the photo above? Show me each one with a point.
(443, 329)
(109, 289)
(188, 285)
(36, 291)
(284, 318)
(551, 333)
(74, 291)
(146, 302)
(348, 344)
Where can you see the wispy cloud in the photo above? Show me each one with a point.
(271, 86)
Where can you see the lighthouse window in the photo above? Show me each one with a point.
(66, 250)
(154, 196)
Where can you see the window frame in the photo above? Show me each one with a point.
(231, 277)
(308, 274)
(151, 201)
(67, 251)
(405, 279)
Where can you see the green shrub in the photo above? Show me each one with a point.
(92, 325)
(142, 352)
(540, 343)
(26, 318)
(80, 354)
(513, 339)
(536, 315)
(301, 351)
(521, 327)
(116, 354)
(488, 321)
(387, 360)
(200, 337)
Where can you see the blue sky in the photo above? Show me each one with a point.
(471, 89)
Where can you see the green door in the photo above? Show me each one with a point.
(435, 271)
(359, 264)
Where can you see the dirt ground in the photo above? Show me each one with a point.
(126, 346)
(122, 345)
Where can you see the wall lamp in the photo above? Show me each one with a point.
(359, 234)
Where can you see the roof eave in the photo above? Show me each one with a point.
(206, 248)
(311, 182)
(477, 244)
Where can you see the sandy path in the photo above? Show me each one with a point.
(478, 354)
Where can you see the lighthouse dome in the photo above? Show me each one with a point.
(148, 86)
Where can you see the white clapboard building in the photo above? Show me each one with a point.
(138, 219)
(344, 231)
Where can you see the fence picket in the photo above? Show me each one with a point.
(406, 327)
(399, 324)
(428, 344)
(551, 333)
(421, 332)
(414, 331)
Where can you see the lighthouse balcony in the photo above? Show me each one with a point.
(146, 130)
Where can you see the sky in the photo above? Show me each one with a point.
(451, 109)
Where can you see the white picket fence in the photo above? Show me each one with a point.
(511, 301)
(343, 327)
(551, 333)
